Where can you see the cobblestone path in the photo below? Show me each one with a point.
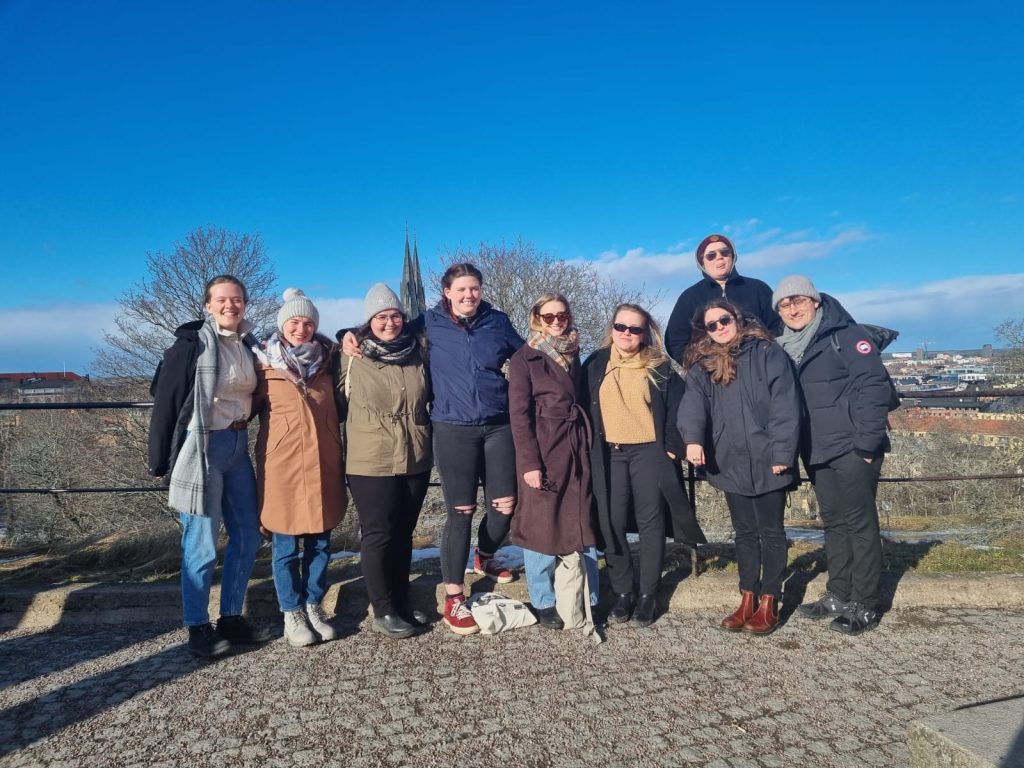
(679, 693)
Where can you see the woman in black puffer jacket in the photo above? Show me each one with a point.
(740, 420)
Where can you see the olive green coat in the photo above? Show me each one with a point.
(384, 410)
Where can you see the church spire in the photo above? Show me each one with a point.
(413, 297)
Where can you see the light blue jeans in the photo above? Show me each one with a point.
(231, 498)
(300, 578)
(540, 576)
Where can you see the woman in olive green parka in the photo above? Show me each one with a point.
(384, 397)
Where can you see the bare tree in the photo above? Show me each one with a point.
(1012, 332)
(172, 294)
(516, 274)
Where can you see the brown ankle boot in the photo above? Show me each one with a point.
(766, 619)
(734, 622)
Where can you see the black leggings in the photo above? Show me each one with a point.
(388, 508)
(466, 455)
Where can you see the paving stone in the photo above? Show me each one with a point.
(676, 695)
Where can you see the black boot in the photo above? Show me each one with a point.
(240, 632)
(414, 616)
(622, 609)
(548, 617)
(204, 641)
(393, 626)
(643, 616)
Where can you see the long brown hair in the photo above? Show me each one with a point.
(719, 360)
(455, 271)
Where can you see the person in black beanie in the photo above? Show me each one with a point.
(716, 258)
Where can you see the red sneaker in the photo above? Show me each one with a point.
(458, 617)
(492, 569)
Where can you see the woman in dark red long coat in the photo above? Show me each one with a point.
(552, 439)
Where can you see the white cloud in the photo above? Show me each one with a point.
(338, 313)
(52, 336)
(960, 312)
(759, 249)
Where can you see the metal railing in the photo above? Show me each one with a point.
(691, 476)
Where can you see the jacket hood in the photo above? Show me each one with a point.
(189, 330)
(833, 315)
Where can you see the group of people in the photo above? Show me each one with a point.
(571, 454)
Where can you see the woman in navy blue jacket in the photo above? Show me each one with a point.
(470, 341)
(740, 420)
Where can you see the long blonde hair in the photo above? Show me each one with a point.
(652, 346)
(719, 360)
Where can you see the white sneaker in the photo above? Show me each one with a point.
(319, 622)
(296, 629)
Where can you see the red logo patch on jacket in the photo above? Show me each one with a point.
(863, 346)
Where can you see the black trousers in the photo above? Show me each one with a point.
(633, 477)
(760, 540)
(845, 488)
(466, 455)
(388, 508)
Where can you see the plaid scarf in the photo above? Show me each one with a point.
(299, 364)
(187, 492)
(562, 349)
(394, 352)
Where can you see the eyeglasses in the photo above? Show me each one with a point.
(795, 302)
(724, 321)
(725, 253)
(394, 318)
(636, 330)
(551, 317)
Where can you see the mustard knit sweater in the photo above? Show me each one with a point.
(625, 398)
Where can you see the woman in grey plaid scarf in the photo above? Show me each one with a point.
(202, 393)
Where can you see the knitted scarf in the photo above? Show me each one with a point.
(395, 352)
(796, 342)
(299, 364)
(562, 349)
(187, 492)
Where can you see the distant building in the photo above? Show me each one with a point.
(45, 387)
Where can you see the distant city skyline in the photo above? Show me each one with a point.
(875, 149)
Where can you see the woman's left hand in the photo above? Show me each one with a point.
(780, 469)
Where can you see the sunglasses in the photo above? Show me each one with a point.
(636, 330)
(725, 253)
(550, 318)
(724, 321)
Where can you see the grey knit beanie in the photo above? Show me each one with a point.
(379, 298)
(794, 285)
(296, 304)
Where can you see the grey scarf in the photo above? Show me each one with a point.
(795, 342)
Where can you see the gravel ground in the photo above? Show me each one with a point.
(679, 693)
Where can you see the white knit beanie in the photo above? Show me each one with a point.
(296, 304)
(379, 298)
(794, 285)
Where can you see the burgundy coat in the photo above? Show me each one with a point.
(552, 434)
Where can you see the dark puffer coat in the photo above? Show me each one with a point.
(747, 426)
(666, 395)
(749, 294)
(845, 388)
(552, 434)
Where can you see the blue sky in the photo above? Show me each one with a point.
(875, 147)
